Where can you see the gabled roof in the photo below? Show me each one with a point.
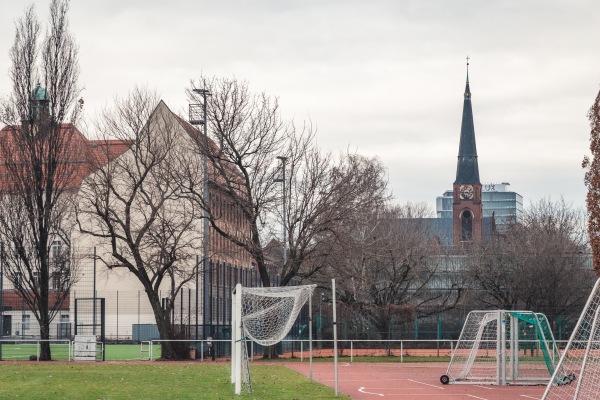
(467, 169)
(214, 149)
(440, 229)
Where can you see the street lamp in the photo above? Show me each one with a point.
(198, 117)
(282, 180)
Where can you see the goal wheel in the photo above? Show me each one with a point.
(445, 379)
(571, 377)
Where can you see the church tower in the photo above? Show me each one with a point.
(467, 210)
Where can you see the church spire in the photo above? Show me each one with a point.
(467, 169)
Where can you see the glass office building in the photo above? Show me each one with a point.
(497, 199)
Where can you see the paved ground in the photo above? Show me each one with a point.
(408, 381)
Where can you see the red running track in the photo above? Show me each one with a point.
(408, 381)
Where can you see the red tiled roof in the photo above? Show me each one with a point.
(13, 301)
(84, 155)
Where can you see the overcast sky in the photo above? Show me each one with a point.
(383, 78)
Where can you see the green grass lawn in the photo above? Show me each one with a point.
(127, 352)
(60, 352)
(152, 381)
(22, 351)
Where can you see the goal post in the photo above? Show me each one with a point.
(577, 375)
(265, 316)
(502, 347)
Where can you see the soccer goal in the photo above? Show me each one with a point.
(265, 316)
(502, 347)
(577, 375)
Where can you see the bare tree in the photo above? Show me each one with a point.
(540, 264)
(247, 135)
(391, 271)
(592, 181)
(37, 148)
(323, 193)
(326, 198)
(136, 212)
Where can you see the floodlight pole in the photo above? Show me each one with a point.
(94, 295)
(310, 338)
(204, 93)
(284, 225)
(335, 352)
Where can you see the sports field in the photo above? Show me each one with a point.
(60, 352)
(271, 380)
(156, 380)
(408, 381)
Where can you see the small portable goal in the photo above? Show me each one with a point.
(501, 347)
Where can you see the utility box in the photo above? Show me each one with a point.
(84, 348)
(142, 332)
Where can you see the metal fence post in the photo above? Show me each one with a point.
(117, 316)
(401, 351)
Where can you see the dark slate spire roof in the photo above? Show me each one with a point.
(467, 170)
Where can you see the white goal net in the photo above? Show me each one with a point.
(265, 316)
(578, 373)
(503, 347)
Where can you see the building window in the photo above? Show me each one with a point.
(55, 249)
(25, 321)
(56, 281)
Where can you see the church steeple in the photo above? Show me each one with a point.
(467, 209)
(467, 169)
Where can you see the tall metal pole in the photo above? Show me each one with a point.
(310, 338)
(197, 265)
(284, 211)
(206, 200)
(335, 352)
(23, 325)
(117, 317)
(206, 197)
(94, 295)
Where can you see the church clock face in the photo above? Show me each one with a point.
(466, 192)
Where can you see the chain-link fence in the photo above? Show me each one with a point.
(202, 310)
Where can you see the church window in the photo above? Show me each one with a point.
(466, 223)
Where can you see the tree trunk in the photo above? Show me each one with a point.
(44, 314)
(170, 349)
(45, 354)
(270, 352)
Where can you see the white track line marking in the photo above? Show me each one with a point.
(475, 397)
(423, 383)
(484, 387)
(530, 397)
(362, 390)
